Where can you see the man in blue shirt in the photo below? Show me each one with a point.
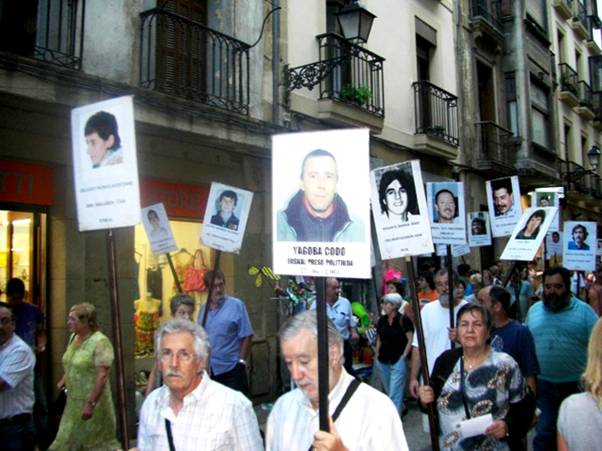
(509, 335)
(561, 325)
(230, 334)
(338, 310)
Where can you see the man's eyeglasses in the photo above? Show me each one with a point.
(5, 321)
(166, 355)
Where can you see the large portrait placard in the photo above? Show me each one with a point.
(503, 199)
(321, 203)
(479, 229)
(226, 217)
(400, 211)
(105, 167)
(446, 212)
(529, 233)
(580, 245)
(158, 230)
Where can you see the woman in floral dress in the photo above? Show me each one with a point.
(88, 422)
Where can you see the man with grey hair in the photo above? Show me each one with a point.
(368, 421)
(192, 412)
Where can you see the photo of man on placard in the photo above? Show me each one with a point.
(103, 143)
(478, 226)
(225, 217)
(397, 195)
(579, 236)
(503, 200)
(316, 212)
(446, 207)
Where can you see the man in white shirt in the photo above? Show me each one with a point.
(198, 413)
(369, 421)
(435, 324)
(17, 362)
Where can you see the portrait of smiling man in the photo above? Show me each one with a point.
(445, 206)
(316, 212)
(190, 411)
(502, 196)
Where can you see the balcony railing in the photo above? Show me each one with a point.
(52, 32)
(580, 13)
(488, 10)
(584, 93)
(575, 176)
(181, 57)
(596, 186)
(568, 79)
(435, 112)
(597, 105)
(593, 23)
(495, 143)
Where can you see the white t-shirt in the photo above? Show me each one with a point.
(435, 323)
(16, 370)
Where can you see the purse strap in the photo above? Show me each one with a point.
(169, 435)
(462, 387)
(199, 260)
(344, 400)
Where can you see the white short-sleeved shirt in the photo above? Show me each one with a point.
(17, 362)
(368, 422)
(435, 324)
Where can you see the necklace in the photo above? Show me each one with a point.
(475, 362)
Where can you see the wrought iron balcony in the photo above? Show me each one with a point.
(597, 105)
(596, 186)
(580, 23)
(495, 145)
(575, 177)
(345, 72)
(435, 112)
(488, 10)
(568, 79)
(53, 31)
(585, 94)
(181, 57)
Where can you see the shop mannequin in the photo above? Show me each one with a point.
(146, 321)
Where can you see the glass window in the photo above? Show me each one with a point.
(511, 103)
(539, 124)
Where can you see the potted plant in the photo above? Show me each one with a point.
(360, 94)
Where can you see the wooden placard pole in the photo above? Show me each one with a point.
(450, 288)
(218, 255)
(422, 349)
(509, 274)
(116, 319)
(323, 383)
(546, 263)
(174, 273)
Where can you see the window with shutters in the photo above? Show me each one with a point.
(182, 56)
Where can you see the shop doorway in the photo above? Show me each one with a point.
(23, 252)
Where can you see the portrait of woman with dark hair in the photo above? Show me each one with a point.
(531, 229)
(397, 196)
(102, 140)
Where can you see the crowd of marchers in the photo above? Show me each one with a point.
(525, 351)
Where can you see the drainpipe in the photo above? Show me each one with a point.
(276, 63)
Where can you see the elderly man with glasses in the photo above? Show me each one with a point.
(192, 412)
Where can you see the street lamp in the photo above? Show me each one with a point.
(594, 157)
(355, 22)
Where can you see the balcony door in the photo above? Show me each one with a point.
(182, 49)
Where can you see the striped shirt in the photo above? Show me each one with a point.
(16, 370)
(561, 339)
(213, 417)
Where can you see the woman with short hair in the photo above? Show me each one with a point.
(88, 421)
(473, 381)
(393, 346)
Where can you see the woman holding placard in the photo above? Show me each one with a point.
(478, 392)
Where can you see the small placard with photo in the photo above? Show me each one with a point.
(226, 217)
(503, 199)
(103, 143)
(158, 230)
(446, 212)
(529, 233)
(400, 211)
(580, 245)
(479, 231)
